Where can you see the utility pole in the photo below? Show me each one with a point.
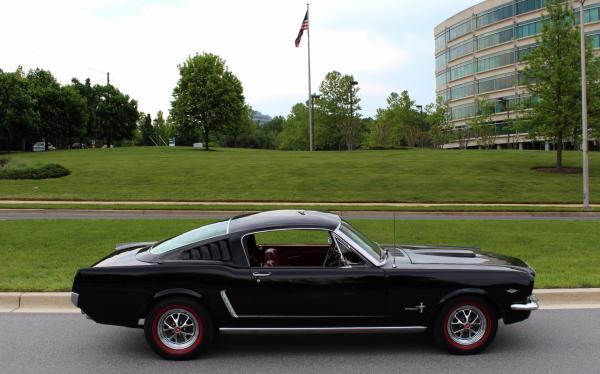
(584, 114)
(352, 84)
(107, 78)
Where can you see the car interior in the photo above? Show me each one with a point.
(299, 248)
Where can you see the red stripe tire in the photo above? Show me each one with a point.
(178, 328)
(465, 326)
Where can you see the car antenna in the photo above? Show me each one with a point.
(394, 254)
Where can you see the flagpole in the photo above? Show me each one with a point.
(310, 99)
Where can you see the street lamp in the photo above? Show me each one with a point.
(420, 107)
(352, 84)
(584, 115)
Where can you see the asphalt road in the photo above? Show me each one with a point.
(552, 341)
(24, 214)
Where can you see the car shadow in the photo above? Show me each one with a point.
(225, 347)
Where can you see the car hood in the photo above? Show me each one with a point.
(458, 256)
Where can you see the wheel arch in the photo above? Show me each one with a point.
(468, 292)
(178, 292)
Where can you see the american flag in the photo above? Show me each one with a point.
(302, 28)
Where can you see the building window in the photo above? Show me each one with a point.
(460, 29)
(495, 15)
(495, 38)
(524, 51)
(498, 82)
(525, 6)
(591, 14)
(529, 29)
(460, 50)
(463, 111)
(594, 40)
(464, 90)
(440, 62)
(440, 42)
(495, 61)
(461, 70)
(441, 80)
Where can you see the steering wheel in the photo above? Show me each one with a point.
(332, 257)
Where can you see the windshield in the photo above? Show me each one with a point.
(196, 235)
(359, 238)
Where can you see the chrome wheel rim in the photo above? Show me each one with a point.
(467, 325)
(178, 329)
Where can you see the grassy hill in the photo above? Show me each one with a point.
(177, 174)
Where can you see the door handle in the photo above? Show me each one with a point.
(260, 275)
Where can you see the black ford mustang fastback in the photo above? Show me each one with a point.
(301, 272)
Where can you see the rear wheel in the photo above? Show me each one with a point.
(178, 328)
(465, 326)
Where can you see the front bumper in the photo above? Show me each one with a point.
(530, 305)
(75, 299)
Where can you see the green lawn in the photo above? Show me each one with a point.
(184, 174)
(43, 255)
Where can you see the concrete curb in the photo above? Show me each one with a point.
(60, 302)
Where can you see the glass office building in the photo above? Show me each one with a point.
(479, 53)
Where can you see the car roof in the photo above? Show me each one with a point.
(281, 219)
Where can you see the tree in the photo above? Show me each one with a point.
(481, 125)
(207, 97)
(553, 76)
(86, 91)
(294, 133)
(116, 114)
(46, 90)
(338, 97)
(147, 132)
(72, 115)
(18, 115)
(266, 134)
(240, 133)
(398, 123)
(163, 128)
(439, 120)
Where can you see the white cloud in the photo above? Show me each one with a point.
(141, 42)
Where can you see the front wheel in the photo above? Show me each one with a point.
(178, 328)
(465, 326)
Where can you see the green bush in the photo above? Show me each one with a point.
(8, 171)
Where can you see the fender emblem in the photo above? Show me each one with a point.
(419, 307)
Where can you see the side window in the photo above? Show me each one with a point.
(288, 248)
(351, 258)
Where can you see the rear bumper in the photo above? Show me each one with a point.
(530, 305)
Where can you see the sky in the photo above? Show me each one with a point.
(387, 45)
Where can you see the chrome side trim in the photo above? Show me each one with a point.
(228, 304)
(141, 322)
(321, 330)
(532, 304)
(75, 299)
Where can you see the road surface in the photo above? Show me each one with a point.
(552, 341)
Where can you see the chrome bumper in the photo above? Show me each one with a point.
(532, 304)
(75, 299)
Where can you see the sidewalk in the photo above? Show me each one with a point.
(60, 302)
(288, 203)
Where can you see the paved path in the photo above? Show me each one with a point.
(22, 214)
(286, 203)
(549, 342)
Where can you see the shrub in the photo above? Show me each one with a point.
(46, 171)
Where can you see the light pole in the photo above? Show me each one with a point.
(312, 120)
(420, 107)
(352, 84)
(584, 115)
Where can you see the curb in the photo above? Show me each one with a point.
(60, 302)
